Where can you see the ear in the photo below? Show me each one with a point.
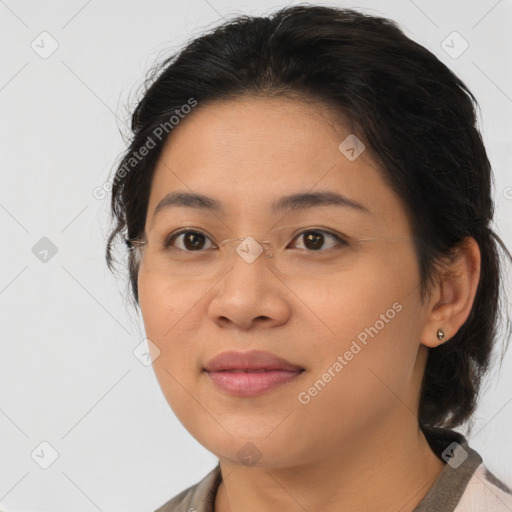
(452, 297)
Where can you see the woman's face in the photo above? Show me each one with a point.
(349, 316)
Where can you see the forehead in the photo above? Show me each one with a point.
(254, 130)
(249, 152)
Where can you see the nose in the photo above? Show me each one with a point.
(249, 293)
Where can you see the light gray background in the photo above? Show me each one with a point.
(69, 375)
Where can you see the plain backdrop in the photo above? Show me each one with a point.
(72, 389)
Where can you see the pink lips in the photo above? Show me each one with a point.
(250, 373)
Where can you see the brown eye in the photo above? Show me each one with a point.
(190, 240)
(315, 239)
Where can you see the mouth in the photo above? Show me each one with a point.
(258, 370)
(250, 373)
(244, 382)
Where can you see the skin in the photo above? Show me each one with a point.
(356, 445)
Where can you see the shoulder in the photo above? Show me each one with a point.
(199, 497)
(179, 502)
(465, 484)
(485, 491)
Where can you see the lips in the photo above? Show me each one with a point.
(252, 361)
(250, 373)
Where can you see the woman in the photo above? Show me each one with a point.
(307, 203)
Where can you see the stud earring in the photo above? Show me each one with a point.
(440, 334)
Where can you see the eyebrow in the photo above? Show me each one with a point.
(294, 202)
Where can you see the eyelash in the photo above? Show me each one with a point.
(342, 242)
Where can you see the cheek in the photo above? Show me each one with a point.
(370, 316)
(156, 304)
(366, 371)
(164, 309)
(173, 313)
(354, 300)
(166, 305)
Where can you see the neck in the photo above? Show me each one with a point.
(391, 469)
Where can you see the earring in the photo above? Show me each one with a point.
(440, 334)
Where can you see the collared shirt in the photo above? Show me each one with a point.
(464, 484)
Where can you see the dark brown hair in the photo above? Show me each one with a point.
(417, 117)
